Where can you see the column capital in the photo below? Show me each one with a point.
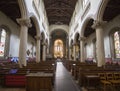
(82, 38)
(98, 24)
(44, 44)
(37, 37)
(24, 22)
(74, 44)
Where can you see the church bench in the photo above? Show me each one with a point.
(75, 68)
(15, 80)
(84, 72)
(39, 82)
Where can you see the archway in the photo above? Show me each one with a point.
(62, 35)
(86, 36)
(58, 48)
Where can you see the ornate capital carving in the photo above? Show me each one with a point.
(44, 44)
(37, 37)
(24, 22)
(82, 38)
(98, 24)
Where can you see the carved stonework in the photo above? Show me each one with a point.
(98, 24)
(44, 44)
(82, 38)
(24, 22)
(37, 37)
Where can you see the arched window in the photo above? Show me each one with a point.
(2, 42)
(58, 48)
(116, 39)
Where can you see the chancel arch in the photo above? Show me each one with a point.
(62, 35)
(58, 48)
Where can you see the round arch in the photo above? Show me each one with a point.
(61, 27)
(84, 26)
(101, 10)
(35, 21)
(23, 8)
(76, 37)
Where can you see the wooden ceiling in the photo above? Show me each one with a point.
(59, 11)
(112, 10)
(10, 8)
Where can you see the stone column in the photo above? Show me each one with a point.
(38, 49)
(74, 52)
(70, 52)
(98, 25)
(47, 47)
(25, 23)
(0, 33)
(82, 57)
(44, 51)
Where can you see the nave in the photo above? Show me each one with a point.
(63, 81)
(66, 76)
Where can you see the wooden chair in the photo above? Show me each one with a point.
(116, 75)
(113, 79)
(103, 81)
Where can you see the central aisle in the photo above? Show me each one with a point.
(63, 80)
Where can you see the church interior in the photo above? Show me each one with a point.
(59, 45)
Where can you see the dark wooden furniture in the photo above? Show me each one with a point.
(39, 81)
(14, 80)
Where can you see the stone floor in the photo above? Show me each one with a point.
(63, 80)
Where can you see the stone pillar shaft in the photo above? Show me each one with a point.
(70, 53)
(74, 53)
(38, 49)
(82, 57)
(99, 43)
(25, 23)
(44, 52)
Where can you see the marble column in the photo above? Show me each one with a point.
(25, 23)
(44, 51)
(82, 54)
(38, 49)
(98, 25)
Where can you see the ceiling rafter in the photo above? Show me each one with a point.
(62, 9)
(59, 13)
(58, 3)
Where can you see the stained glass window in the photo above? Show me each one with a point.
(2, 42)
(117, 44)
(58, 48)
